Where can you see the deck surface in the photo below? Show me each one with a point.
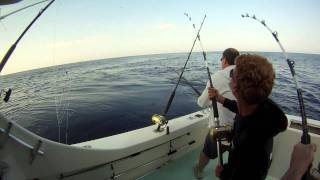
(182, 168)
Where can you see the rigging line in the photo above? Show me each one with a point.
(305, 138)
(186, 81)
(26, 7)
(174, 91)
(61, 101)
(4, 27)
(66, 107)
(213, 100)
(13, 47)
(61, 108)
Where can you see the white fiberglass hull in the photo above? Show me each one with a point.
(125, 156)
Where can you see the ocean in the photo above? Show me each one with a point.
(83, 101)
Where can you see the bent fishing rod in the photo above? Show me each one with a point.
(13, 47)
(161, 119)
(213, 100)
(305, 138)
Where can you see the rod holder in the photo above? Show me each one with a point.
(6, 135)
(34, 151)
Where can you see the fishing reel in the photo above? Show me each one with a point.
(161, 121)
(220, 132)
(7, 94)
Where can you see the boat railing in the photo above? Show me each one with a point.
(35, 150)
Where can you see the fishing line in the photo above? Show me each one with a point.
(60, 95)
(63, 87)
(62, 104)
(213, 100)
(305, 138)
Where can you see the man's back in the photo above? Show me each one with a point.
(220, 81)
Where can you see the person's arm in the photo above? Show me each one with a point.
(227, 103)
(231, 105)
(301, 158)
(203, 100)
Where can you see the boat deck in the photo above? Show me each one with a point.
(182, 168)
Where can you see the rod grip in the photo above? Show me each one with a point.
(215, 107)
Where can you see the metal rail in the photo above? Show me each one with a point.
(21, 142)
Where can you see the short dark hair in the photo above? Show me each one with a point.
(230, 54)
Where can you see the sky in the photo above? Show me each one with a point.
(73, 31)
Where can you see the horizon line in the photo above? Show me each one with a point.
(125, 56)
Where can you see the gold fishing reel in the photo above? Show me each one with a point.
(160, 120)
(221, 132)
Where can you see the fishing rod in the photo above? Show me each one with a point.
(305, 138)
(13, 47)
(160, 119)
(204, 54)
(213, 100)
(26, 7)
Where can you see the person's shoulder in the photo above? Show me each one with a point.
(274, 114)
(228, 69)
(223, 72)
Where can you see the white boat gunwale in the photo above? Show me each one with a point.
(186, 133)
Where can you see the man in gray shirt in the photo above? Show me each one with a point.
(220, 81)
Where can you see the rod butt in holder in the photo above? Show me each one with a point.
(5, 135)
(161, 121)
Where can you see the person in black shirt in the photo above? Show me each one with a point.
(258, 119)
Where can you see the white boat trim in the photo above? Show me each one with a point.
(124, 156)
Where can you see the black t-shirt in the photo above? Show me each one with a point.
(252, 140)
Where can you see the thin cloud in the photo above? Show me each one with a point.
(85, 41)
(164, 26)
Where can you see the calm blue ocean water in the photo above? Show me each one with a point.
(89, 100)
